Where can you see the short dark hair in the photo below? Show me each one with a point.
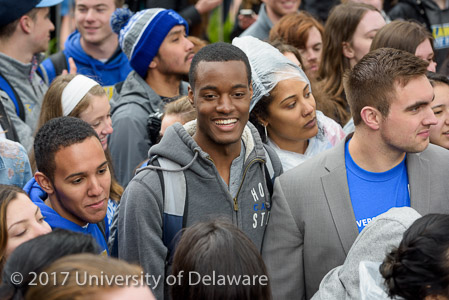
(218, 52)
(6, 31)
(36, 254)
(56, 134)
(419, 267)
(219, 247)
(436, 78)
(372, 81)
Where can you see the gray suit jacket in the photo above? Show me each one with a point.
(312, 224)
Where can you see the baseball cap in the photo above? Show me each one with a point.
(48, 3)
(12, 10)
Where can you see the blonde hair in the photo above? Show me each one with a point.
(181, 107)
(70, 272)
(52, 106)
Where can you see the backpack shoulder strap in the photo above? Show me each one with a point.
(269, 164)
(269, 176)
(174, 202)
(59, 62)
(12, 94)
(102, 226)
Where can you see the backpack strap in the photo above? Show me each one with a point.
(12, 94)
(174, 203)
(269, 176)
(113, 234)
(59, 62)
(102, 226)
(269, 164)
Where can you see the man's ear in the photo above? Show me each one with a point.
(154, 63)
(26, 23)
(347, 50)
(44, 182)
(371, 117)
(190, 96)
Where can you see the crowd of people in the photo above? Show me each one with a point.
(306, 159)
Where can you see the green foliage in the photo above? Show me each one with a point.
(213, 29)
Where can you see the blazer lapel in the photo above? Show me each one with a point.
(418, 171)
(336, 189)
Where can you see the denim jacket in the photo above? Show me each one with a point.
(14, 164)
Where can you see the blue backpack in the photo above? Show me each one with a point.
(12, 94)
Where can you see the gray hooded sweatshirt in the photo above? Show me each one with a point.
(140, 218)
(261, 28)
(31, 89)
(131, 104)
(379, 237)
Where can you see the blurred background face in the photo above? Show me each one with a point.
(278, 8)
(24, 221)
(425, 52)
(363, 36)
(98, 115)
(439, 133)
(311, 54)
(92, 20)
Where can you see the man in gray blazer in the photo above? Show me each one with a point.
(320, 207)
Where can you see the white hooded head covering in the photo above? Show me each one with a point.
(268, 66)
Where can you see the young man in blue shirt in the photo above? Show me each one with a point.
(72, 185)
(93, 46)
(320, 207)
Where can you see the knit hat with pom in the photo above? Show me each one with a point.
(141, 34)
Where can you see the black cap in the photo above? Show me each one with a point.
(11, 10)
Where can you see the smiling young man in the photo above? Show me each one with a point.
(220, 156)
(155, 41)
(320, 207)
(25, 29)
(72, 185)
(93, 46)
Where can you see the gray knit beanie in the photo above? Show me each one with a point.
(141, 34)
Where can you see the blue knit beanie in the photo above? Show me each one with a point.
(11, 10)
(141, 34)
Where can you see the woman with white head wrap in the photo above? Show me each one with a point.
(283, 107)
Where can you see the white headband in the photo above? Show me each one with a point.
(72, 94)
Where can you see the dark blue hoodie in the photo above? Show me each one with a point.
(114, 70)
(38, 196)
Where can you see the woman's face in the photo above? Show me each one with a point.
(425, 52)
(363, 36)
(439, 133)
(169, 120)
(98, 115)
(311, 54)
(24, 221)
(291, 115)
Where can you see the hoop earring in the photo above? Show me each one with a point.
(265, 129)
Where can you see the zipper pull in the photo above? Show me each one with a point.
(236, 206)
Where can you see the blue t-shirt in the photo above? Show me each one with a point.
(375, 193)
